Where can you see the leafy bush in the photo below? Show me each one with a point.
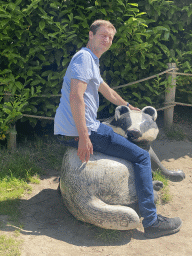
(38, 39)
(176, 42)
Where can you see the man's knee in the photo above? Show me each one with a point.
(145, 157)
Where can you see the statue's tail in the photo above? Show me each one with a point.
(103, 215)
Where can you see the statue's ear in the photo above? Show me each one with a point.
(150, 111)
(120, 110)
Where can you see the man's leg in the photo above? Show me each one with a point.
(113, 144)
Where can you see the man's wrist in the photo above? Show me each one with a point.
(127, 104)
(84, 135)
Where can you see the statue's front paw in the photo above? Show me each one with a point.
(178, 175)
(181, 174)
(157, 185)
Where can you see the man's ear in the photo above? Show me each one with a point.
(90, 35)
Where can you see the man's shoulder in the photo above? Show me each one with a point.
(82, 53)
(82, 56)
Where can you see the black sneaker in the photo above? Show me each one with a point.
(163, 226)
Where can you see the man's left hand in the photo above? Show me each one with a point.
(134, 108)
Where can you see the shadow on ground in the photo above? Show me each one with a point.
(45, 214)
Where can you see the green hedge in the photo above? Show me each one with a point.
(38, 39)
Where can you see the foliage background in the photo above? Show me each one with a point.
(39, 37)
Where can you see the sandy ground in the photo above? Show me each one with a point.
(50, 230)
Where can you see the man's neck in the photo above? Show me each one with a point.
(89, 46)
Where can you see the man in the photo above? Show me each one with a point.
(76, 119)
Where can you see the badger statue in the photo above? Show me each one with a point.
(102, 191)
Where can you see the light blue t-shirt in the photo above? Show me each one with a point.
(84, 66)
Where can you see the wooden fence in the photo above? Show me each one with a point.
(168, 107)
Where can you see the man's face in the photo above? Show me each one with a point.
(102, 40)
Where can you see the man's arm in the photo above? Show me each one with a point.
(85, 147)
(112, 96)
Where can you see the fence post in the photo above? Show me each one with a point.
(11, 138)
(170, 97)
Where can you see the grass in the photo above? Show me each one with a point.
(165, 195)
(9, 246)
(176, 133)
(107, 235)
(182, 123)
(25, 165)
(181, 127)
(18, 169)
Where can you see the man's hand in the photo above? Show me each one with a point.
(85, 149)
(134, 108)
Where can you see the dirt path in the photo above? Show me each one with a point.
(50, 230)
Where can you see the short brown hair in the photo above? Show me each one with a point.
(97, 23)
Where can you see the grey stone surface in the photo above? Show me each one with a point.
(100, 191)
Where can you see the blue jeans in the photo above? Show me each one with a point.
(106, 141)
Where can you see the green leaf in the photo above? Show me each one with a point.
(5, 16)
(136, 95)
(35, 82)
(12, 6)
(5, 71)
(46, 73)
(18, 2)
(41, 57)
(103, 11)
(42, 25)
(19, 85)
(30, 73)
(166, 35)
(133, 4)
(148, 100)
(120, 2)
(190, 13)
(140, 14)
(70, 17)
(32, 90)
(79, 18)
(65, 62)
(96, 3)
